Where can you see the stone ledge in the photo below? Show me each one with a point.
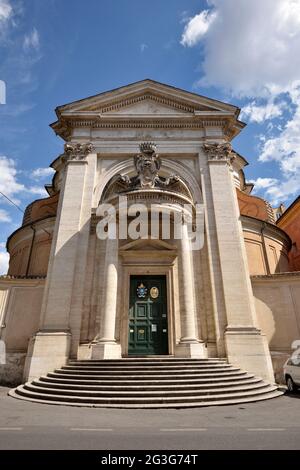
(276, 276)
(5, 277)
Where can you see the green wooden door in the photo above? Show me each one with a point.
(148, 324)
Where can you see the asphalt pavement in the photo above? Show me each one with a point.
(271, 424)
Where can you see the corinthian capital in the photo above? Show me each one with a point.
(219, 152)
(77, 151)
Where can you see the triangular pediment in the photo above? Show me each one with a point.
(147, 245)
(146, 98)
(147, 105)
(144, 102)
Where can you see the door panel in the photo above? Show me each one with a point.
(148, 332)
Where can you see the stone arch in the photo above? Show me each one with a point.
(126, 167)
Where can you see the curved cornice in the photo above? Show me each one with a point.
(254, 225)
(25, 227)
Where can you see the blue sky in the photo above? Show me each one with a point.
(56, 51)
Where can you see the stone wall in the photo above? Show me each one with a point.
(20, 307)
(29, 248)
(277, 299)
(267, 247)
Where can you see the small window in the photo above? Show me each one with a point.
(294, 361)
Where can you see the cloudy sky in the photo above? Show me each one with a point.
(56, 51)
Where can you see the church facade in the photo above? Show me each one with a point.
(71, 293)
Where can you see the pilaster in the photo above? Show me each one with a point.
(244, 343)
(50, 348)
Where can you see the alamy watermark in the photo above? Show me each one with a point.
(141, 221)
(2, 92)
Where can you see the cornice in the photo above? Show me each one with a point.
(65, 126)
(118, 104)
(293, 275)
(153, 87)
(271, 230)
(24, 228)
(290, 213)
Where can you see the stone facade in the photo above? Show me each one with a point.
(81, 309)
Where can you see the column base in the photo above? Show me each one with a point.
(105, 351)
(46, 351)
(192, 350)
(248, 349)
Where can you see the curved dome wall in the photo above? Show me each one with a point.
(29, 246)
(267, 246)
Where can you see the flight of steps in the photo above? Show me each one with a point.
(147, 383)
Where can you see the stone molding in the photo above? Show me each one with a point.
(119, 104)
(65, 126)
(255, 225)
(164, 123)
(216, 152)
(77, 151)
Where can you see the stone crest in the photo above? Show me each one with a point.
(147, 164)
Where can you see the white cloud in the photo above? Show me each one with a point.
(8, 177)
(38, 190)
(263, 183)
(283, 190)
(4, 216)
(197, 27)
(276, 191)
(6, 14)
(251, 49)
(285, 147)
(41, 173)
(5, 10)
(4, 259)
(260, 113)
(32, 40)
(9, 183)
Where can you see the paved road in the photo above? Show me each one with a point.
(273, 424)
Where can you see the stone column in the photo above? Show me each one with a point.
(189, 345)
(105, 345)
(245, 345)
(50, 347)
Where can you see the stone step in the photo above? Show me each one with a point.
(145, 380)
(154, 385)
(144, 401)
(144, 372)
(126, 361)
(146, 383)
(154, 367)
(126, 393)
(147, 359)
(219, 402)
(134, 377)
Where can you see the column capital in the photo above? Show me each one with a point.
(219, 152)
(75, 151)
